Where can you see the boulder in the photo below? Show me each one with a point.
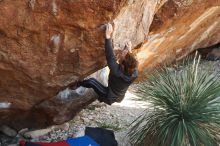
(214, 54)
(179, 28)
(45, 45)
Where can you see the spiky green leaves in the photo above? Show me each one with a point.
(185, 109)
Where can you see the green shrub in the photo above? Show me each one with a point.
(184, 111)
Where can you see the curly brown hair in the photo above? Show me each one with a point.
(129, 64)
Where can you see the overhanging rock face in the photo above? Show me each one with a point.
(180, 27)
(44, 45)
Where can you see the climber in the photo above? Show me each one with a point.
(121, 75)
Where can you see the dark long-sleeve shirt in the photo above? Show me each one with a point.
(118, 82)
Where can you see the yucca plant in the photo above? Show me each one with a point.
(184, 111)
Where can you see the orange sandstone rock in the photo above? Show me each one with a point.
(45, 45)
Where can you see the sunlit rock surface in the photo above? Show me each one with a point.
(180, 27)
(44, 45)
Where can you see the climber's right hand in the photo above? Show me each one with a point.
(108, 31)
(128, 46)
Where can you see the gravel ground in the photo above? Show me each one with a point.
(116, 117)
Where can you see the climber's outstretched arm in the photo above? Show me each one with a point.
(110, 57)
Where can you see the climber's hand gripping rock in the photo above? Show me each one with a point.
(108, 31)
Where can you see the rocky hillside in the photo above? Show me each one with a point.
(44, 45)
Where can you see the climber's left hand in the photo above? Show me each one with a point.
(108, 31)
